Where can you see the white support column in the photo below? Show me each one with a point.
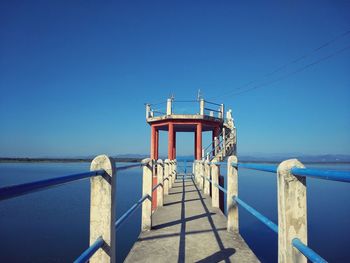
(232, 190)
(160, 179)
(292, 212)
(147, 178)
(102, 208)
(166, 176)
(207, 175)
(214, 189)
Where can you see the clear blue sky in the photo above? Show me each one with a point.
(74, 74)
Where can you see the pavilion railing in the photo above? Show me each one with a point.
(103, 223)
(292, 212)
(195, 107)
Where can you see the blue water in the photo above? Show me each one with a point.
(53, 225)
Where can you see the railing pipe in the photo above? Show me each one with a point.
(259, 167)
(12, 191)
(341, 176)
(121, 168)
(130, 211)
(255, 213)
(88, 253)
(307, 252)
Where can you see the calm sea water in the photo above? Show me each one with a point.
(53, 225)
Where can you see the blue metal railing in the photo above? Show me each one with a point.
(87, 254)
(247, 207)
(8, 192)
(131, 210)
(333, 175)
(12, 191)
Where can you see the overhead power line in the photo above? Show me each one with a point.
(301, 69)
(280, 68)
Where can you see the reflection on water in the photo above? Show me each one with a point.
(53, 225)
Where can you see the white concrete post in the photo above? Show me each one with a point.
(102, 208)
(196, 171)
(169, 107)
(171, 174)
(146, 220)
(160, 179)
(215, 179)
(174, 171)
(224, 141)
(216, 144)
(201, 172)
(166, 176)
(201, 107)
(222, 111)
(232, 190)
(292, 212)
(207, 175)
(148, 109)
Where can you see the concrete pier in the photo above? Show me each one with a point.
(188, 229)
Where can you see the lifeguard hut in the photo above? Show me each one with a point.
(207, 116)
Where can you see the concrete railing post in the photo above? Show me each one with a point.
(148, 111)
(201, 173)
(201, 107)
(147, 178)
(166, 176)
(174, 171)
(215, 180)
(232, 190)
(207, 175)
(196, 171)
(102, 208)
(171, 174)
(169, 107)
(292, 212)
(160, 177)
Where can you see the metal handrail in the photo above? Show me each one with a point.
(209, 102)
(270, 224)
(88, 253)
(307, 252)
(121, 168)
(296, 242)
(332, 175)
(208, 109)
(12, 191)
(131, 210)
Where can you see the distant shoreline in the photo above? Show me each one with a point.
(64, 160)
(133, 160)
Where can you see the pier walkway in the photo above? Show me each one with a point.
(188, 229)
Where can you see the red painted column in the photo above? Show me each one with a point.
(170, 140)
(199, 141)
(195, 144)
(156, 155)
(153, 140)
